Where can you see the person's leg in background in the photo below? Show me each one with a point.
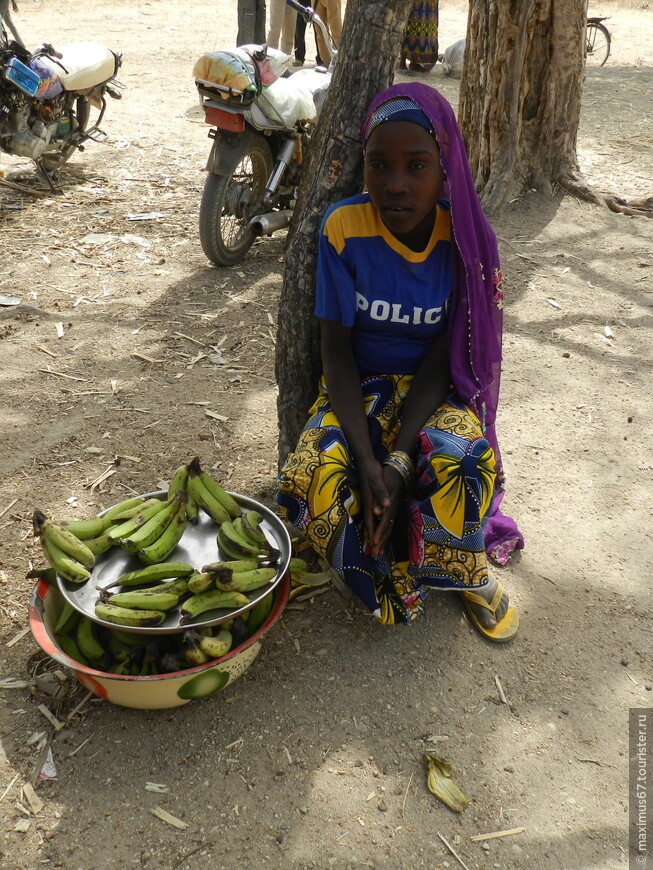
(277, 10)
(282, 26)
(330, 11)
(300, 36)
(251, 22)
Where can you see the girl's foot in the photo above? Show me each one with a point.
(490, 611)
(487, 593)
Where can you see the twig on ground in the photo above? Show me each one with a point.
(453, 852)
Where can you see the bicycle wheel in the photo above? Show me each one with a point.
(597, 43)
(227, 206)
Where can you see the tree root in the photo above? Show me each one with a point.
(577, 186)
(642, 207)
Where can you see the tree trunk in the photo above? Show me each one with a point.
(520, 95)
(371, 41)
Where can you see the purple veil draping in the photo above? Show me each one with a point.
(476, 316)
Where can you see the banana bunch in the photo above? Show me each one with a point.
(244, 538)
(69, 556)
(144, 601)
(129, 654)
(150, 529)
(94, 532)
(203, 491)
(71, 547)
(202, 647)
(154, 532)
(210, 495)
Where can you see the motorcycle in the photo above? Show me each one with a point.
(47, 97)
(262, 119)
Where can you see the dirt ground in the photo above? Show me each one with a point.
(314, 758)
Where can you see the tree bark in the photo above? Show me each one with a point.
(371, 43)
(520, 95)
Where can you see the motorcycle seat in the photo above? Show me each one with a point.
(86, 65)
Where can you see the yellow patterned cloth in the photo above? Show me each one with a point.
(437, 540)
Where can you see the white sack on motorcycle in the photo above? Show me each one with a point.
(83, 65)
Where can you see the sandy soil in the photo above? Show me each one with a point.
(313, 759)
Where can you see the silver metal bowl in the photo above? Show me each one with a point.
(198, 546)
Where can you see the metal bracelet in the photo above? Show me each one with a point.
(402, 463)
(404, 457)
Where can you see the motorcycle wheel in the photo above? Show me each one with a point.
(55, 157)
(225, 210)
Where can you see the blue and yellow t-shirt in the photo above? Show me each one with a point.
(394, 299)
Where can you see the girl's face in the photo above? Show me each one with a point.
(404, 178)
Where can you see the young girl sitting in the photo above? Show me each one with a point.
(396, 478)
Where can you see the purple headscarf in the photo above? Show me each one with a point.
(476, 316)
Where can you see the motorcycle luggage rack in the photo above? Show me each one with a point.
(230, 96)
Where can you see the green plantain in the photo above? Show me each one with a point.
(233, 542)
(192, 510)
(250, 523)
(152, 573)
(128, 638)
(59, 537)
(218, 646)
(179, 480)
(68, 619)
(167, 542)
(225, 549)
(127, 616)
(297, 565)
(69, 645)
(88, 643)
(65, 567)
(200, 494)
(214, 599)
(193, 654)
(245, 581)
(111, 513)
(99, 545)
(131, 511)
(198, 582)
(122, 530)
(151, 530)
(232, 565)
(260, 612)
(179, 586)
(218, 492)
(143, 599)
(84, 529)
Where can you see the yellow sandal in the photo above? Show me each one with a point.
(505, 629)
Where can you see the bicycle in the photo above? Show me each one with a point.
(597, 42)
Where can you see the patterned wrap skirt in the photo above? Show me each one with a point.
(420, 43)
(437, 539)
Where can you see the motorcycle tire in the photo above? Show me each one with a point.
(226, 206)
(55, 157)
